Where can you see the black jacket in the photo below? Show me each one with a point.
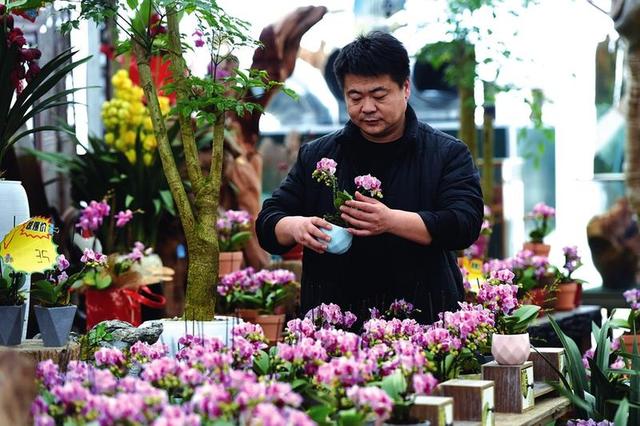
(430, 173)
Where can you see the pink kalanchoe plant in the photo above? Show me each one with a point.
(264, 290)
(541, 215)
(325, 173)
(234, 230)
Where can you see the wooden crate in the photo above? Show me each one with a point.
(513, 386)
(473, 400)
(438, 410)
(542, 371)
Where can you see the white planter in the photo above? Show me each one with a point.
(510, 349)
(15, 210)
(174, 329)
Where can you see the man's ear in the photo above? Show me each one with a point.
(406, 87)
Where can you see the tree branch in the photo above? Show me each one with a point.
(164, 147)
(178, 70)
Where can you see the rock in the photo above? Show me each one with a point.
(123, 334)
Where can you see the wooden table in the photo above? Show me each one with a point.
(545, 411)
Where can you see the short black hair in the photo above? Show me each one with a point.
(375, 54)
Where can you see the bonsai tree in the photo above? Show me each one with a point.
(200, 101)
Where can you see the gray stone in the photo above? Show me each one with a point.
(124, 335)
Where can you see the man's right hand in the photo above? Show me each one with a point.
(303, 230)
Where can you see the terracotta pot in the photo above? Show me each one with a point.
(627, 338)
(248, 315)
(272, 326)
(539, 249)
(510, 349)
(578, 299)
(566, 296)
(230, 261)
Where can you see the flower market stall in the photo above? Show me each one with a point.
(517, 349)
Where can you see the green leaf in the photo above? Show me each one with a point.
(103, 280)
(320, 413)
(132, 4)
(157, 205)
(128, 200)
(239, 240)
(395, 385)
(261, 363)
(167, 200)
(577, 373)
(622, 414)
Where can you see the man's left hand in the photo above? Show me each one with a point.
(367, 216)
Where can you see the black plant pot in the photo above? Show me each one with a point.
(55, 324)
(12, 320)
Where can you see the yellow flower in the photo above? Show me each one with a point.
(148, 124)
(147, 157)
(131, 155)
(149, 142)
(121, 145)
(164, 104)
(129, 138)
(109, 138)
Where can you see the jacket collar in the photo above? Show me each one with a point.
(350, 130)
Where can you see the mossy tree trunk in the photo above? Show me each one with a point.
(488, 142)
(198, 215)
(466, 92)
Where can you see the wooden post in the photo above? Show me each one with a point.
(472, 400)
(438, 410)
(513, 386)
(542, 371)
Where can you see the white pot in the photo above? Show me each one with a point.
(15, 210)
(510, 349)
(174, 329)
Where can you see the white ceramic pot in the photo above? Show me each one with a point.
(174, 329)
(341, 239)
(15, 210)
(510, 349)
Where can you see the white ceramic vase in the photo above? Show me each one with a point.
(15, 210)
(510, 349)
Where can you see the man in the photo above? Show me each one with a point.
(402, 246)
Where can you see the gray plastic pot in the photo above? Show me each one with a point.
(12, 320)
(55, 324)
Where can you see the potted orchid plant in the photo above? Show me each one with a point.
(325, 173)
(568, 288)
(234, 231)
(510, 343)
(541, 215)
(53, 309)
(12, 305)
(257, 296)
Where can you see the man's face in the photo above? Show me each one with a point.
(376, 105)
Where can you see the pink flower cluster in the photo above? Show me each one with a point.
(327, 166)
(371, 400)
(370, 184)
(93, 258)
(542, 211)
(233, 219)
(330, 315)
(633, 298)
(499, 297)
(589, 422)
(123, 217)
(200, 386)
(93, 215)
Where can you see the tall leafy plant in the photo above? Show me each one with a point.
(26, 93)
(600, 392)
(204, 99)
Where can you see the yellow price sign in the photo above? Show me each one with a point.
(29, 247)
(474, 268)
